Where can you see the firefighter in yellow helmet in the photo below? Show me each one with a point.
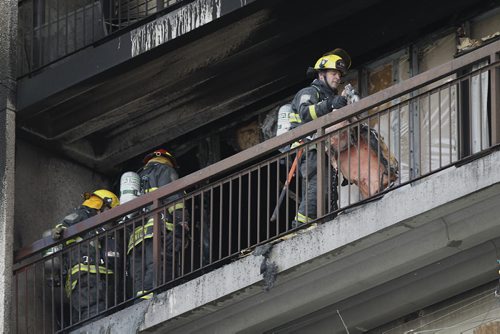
(320, 98)
(159, 170)
(84, 265)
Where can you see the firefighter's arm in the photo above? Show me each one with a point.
(168, 175)
(71, 219)
(337, 102)
(181, 229)
(181, 217)
(309, 106)
(177, 209)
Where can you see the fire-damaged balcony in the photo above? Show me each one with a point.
(429, 234)
(104, 81)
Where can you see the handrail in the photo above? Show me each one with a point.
(256, 152)
(125, 25)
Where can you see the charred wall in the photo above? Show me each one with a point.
(48, 187)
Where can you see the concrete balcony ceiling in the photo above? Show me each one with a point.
(105, 105)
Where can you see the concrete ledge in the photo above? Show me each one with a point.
(410, 228)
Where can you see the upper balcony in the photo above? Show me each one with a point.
(104, 81)
(432, 231)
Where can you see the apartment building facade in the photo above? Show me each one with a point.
(98, 84)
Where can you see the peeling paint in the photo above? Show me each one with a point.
(174, 24)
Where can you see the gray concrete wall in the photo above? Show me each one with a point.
(8, 31)
(48, 187)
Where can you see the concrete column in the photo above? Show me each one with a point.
(8, 34)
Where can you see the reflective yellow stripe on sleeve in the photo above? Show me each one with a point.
(294, 118)
(145, 232)
(72, 241)
(302, 218)
(72, 278)
(177, 206)
(312, 111)
(140, 233)
(144, 294)
(90, 268)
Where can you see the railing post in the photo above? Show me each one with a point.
(320, 178)
(156, 245)
(414, 121)
(495, 100)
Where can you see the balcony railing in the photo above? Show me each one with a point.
(430, 122)
(52, 29)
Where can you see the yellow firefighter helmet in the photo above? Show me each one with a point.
(337, 59)
(109, 199)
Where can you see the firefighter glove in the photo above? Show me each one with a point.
(337, 101)
(57, 232)
(180, 227)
